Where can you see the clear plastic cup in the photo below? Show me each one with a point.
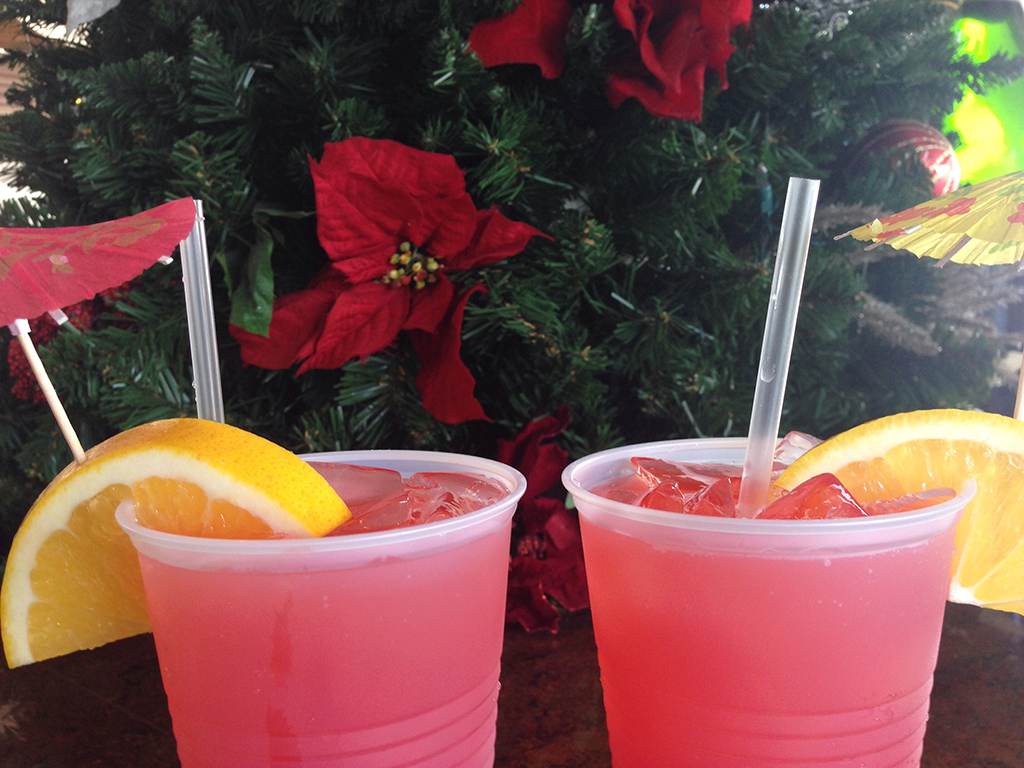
(369, 650)
(746, 643)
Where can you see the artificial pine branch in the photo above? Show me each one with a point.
(643, 315)
(887, 321)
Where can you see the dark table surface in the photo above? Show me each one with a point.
(106, 707)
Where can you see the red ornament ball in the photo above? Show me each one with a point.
(900, 141)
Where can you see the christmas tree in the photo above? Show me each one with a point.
(579, 228)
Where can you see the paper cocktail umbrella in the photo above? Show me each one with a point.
(978, 224)
(43, 270)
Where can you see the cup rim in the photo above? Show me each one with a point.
(514, 481)
(734, 525)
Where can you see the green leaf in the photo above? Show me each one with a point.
(252, 299)
(252, 302)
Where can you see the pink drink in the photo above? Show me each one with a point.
(729, 643)
(370, 650)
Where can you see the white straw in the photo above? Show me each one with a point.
(195, 267)
(777, 347)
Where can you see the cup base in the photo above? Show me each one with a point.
(444, 738)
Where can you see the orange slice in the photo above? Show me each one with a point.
(72, 579)
(920, 450)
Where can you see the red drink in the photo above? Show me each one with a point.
(358, 651)
(729, 643)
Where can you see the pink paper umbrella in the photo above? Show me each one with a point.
(44, 270)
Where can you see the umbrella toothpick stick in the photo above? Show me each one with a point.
(49, 392)
(953, 251)
(1020, 396)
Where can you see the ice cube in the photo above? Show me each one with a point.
(820, 497)
(391, 512)
(706, 489)
(628, 489)
(424, 498)
(361, 488)
(790, 448)
(717, 499)
(666, 496)
(690, 477)
(441, 495)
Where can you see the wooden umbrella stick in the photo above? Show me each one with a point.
(51, 396)
(1020, 394)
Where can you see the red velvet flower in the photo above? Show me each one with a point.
(394, 222)
(532, 34)
(677, 41)
(548, 558)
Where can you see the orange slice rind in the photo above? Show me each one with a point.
(72, 577)
(943, 448)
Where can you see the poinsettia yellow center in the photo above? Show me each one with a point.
(411, 268)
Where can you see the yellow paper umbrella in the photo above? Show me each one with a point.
(978, 224)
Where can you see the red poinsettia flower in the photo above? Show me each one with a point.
(547, 563)
(394, 222)
(677, 41)
(532, 34)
